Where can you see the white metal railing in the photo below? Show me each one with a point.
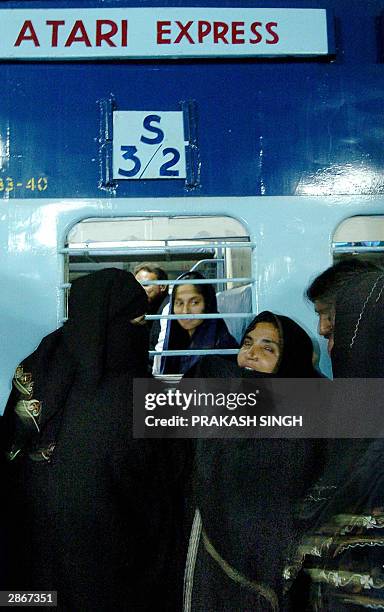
(357, 249)
(200, 281)
(177, 353)
(210, 315)
(176, 249)
(148, 250)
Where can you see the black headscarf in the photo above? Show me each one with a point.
(91, 510)
(97, 341)
(359, 328)
(256, 485)
(99, 333)
(346, 506)
(211, 333)
(296, 348)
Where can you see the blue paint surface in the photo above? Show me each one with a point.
(264, 127)
(299, 143)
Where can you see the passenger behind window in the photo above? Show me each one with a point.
(157, 296)
(192, 334)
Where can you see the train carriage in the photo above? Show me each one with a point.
(242, 137)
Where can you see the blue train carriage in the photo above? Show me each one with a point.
(242, 138)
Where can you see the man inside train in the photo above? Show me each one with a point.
(155, 293)
(157, 296)
(323, 290)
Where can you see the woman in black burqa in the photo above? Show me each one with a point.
(92, 512)
(347, 512)
(246, 490)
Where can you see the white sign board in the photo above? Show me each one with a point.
(148, 145)
(160, 32)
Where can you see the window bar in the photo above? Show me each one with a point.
(199, 281)
(358, 249)
(176, 353)
(154, 250)
(210, 315)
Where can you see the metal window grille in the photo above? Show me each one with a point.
(221, 250)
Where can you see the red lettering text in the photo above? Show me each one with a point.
(217, 32)
(238, 31)
(105, 36)
(78, 34)
(55, 30)
(163, 28)
(23, 35)
(275, 36)
(254, 26)
(124, 32)
(220, 30)
(184, 32)
(203, 29)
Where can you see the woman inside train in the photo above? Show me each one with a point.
(247, 490)
(193, 334)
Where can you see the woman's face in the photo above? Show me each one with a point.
(189, 301)
(260, 350)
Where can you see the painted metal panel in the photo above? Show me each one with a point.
(290, 251)
(263, 128)
(289, 147)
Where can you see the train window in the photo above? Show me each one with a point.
(218, 247)
(361, 237)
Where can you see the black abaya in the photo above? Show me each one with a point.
(343, 552)
(246, 494)
(92, 512)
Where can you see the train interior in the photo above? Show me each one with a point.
(216, 246)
